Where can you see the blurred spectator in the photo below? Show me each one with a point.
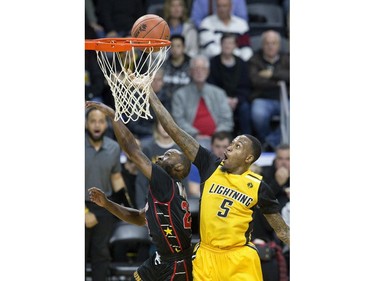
(129, 173)
(143, 128)
(200, 108)
(90, 12)
(102, 170)
(175, 13)
(270, 249)
(154, 147)
(212, 27)
(94, 78)
(118, 16)
(267, 67)
(176, 66)
(278, 174)
(203, 8)
(230, 73)
(219, 142)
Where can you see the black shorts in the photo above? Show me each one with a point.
(155, 269)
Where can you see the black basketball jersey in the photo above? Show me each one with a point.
(168, 216)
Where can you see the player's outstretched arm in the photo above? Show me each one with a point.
(278, 224)
(125, 139)
(186, 142)
(123, 213)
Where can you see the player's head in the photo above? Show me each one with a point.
(175, 163)
(96, 124)
(243, 151)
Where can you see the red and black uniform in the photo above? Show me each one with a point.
(169, 222)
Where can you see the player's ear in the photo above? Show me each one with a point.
(249, 159)
(178, 167)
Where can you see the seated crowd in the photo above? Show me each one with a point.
(215, 86)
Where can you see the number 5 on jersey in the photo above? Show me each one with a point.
(225, 208)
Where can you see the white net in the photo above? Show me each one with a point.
(129, 75)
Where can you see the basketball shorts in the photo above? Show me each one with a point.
(237, 264)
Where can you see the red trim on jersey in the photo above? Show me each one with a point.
(170, 217)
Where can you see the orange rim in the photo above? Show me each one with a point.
(123, 44)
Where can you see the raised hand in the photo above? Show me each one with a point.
(102, 107)
(97, 196)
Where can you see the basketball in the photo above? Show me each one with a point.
(150, 26)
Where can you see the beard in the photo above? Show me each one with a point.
(96, 138)
(223, 169)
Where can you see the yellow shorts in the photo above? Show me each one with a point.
(213, 264)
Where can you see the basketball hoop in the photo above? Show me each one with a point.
(129, 66)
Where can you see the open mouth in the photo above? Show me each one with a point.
(225, 157)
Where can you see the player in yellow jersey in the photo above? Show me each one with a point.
(229, 193)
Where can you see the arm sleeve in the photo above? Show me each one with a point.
(206, 163)
(267, 201)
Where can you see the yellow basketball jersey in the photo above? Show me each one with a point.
(226, 211)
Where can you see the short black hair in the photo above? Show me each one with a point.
(228, 35)
(88, 111)
(177, 36)
(255, 145)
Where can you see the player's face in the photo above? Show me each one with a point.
(96, 124)
(236, 154)
(167, 161)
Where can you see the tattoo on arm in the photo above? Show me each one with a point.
(186, 142)
(279, 226)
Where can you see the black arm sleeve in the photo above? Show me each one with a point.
(267, 202)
